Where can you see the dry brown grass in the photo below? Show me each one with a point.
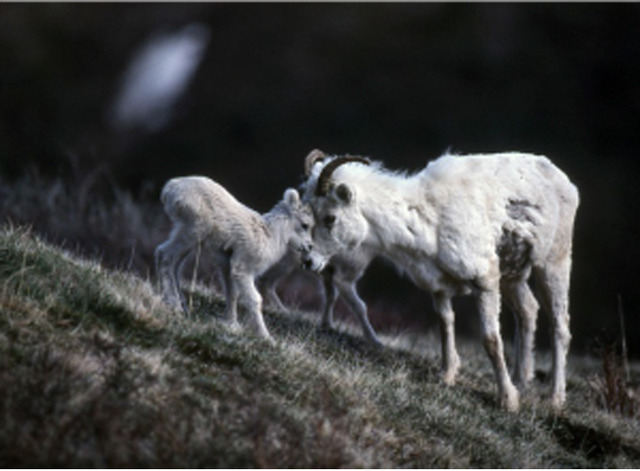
(613, 390)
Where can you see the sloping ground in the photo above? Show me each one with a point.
(96, 372)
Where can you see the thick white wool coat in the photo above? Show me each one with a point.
(218, 219)
(456, 210)
(476, 223)
(244, 243)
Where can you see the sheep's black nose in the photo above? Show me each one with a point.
(307, 264)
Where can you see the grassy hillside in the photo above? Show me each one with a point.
(96, 371)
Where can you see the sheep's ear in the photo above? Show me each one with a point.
(344, 193)
(291, 197)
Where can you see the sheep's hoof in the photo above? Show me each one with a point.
(264, 335)
(450, 373)
(375, 344)
(510, 400)
(449, 377)
(557, 402)
(325, 326)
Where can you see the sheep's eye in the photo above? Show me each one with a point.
(305, 226)
(329, 221)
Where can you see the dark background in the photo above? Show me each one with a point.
(398, 82)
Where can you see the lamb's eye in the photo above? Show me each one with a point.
(329, 221)
(304, 226)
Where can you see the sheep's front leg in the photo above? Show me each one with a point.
(348, 292)
(251, 300)
(450, 358)
(330, 296)
(489, 307)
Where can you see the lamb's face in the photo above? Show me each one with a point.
(301, 240)
(340, 225)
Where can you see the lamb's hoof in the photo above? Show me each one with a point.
(281, 308)
(174, 304)
(276, 306)
(233, 325)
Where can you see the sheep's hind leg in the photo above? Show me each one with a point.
(553, 283)
(525, 307)
(489, 307)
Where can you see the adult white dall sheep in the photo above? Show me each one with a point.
(476, 224)
(243, 243)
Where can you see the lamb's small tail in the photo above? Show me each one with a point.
(169, 197)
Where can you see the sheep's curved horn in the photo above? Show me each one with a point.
(324, 179)
(316, 155)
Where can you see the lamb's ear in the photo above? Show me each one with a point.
(344, 193)
(292, 198)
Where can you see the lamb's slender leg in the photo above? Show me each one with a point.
(347, 289)
(553, 282)
(251, 300)
(450, 358)
(168, 257)
(489, 307)
(231, 294)
(268, 281)
(330, 297)
(274, 300)
(178, 270)
(267, 286)
(525, 307)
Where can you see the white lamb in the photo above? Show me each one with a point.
(244, 243)
(477, 224)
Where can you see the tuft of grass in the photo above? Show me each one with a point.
(95, 371)
(88, 212)
(613, 390)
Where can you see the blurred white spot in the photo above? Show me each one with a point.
(157, 76)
